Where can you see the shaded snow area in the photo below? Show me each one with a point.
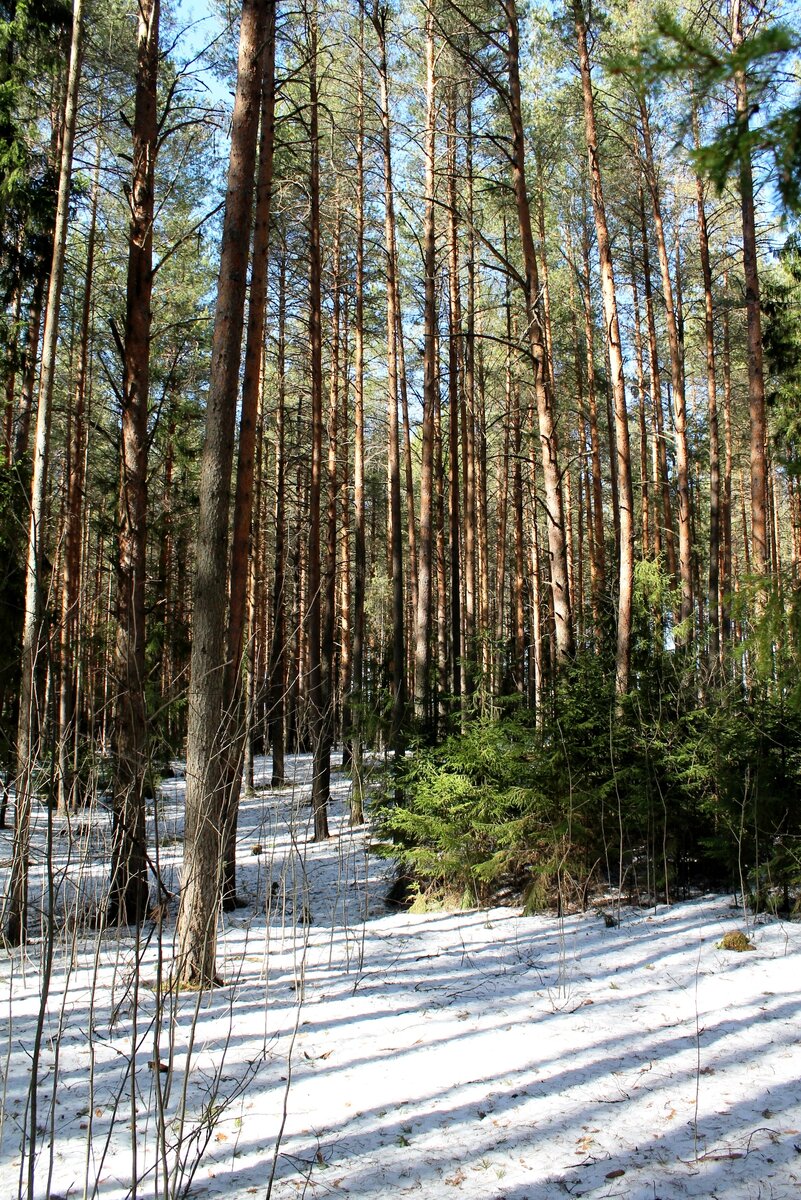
(357, 1052)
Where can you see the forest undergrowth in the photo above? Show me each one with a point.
(662, 798)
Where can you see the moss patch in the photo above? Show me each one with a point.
(735, 940)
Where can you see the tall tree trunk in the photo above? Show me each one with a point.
(675, 345)
(598, 545)
(393, 466)
(328, 617)
(276, 722)
(615, 351)
(501, 655)
(726, 504)
(129, 884)
(207, 731)
(344, 584)
(422, 663)
(645, 516)
(756, 379)
(661, 480)
(713, 597)
(71, 574)
(359, 543)
(519, 590)
(467, 412)
(243, 498)
(442, 575)
(557, 542)
(321, 752)
(454, 393)
(16, 907)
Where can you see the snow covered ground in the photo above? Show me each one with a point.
(357, 1052)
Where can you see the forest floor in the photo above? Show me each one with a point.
(356, 1052)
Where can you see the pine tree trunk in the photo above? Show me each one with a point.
(615, 351)
(645, 515)
(129, 883)
(598, 557)
(713, 596)
(726, 500)
(328, 616)
(422, 663)
(207, 731)
(276, 721)
(756, 379)
(243, 498)
(354, 725)
(557, 543)
(661, 479)
(321, 751)
(454, 393)
(74, 532)
(676, 348)
(398, 671)
(16, 906)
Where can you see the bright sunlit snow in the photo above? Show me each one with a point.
(358, 1052)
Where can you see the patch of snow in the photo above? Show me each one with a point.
(353, 1052)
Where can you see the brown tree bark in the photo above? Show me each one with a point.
(243, 497)
(422, 662)
(756, 378)
(75, 473)
(328, 583)
(726, 499)
(660, 466)
(467, 414)
(676, 348)
(16, 906)
(454, 400)
(615, 352)
(713, 591)
(354, 722)
(557, 543)
(321, 757)
(276, 723)
(398, 668)
(207, 732)
(129, 882)
(645, 515)
(598, 545)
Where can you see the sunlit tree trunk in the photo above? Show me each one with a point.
(713, 597)
(455, 359)
(726, 499)
(201, 884)
(354, 724)
(660, 468)
(422, 664)
(557, 543)
(622, 468)
(675, 346)
(598, 555)
(246, 457)
(398, 672)
(321, 770)
(276, 721)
